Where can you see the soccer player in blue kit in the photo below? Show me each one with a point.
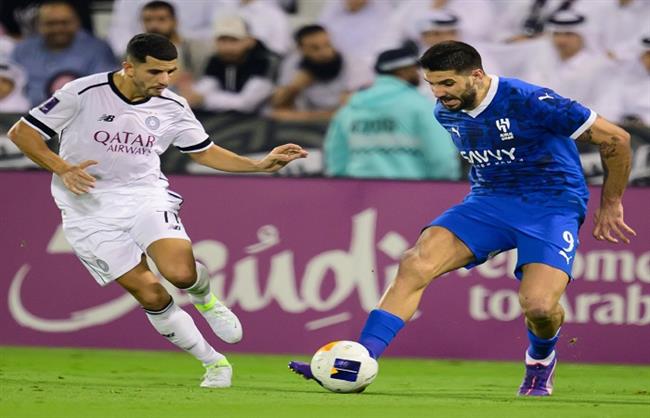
(527, 192)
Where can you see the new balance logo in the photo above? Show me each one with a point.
(106, 118)
(545, 96)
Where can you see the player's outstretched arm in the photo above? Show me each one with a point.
(30, 142)
(221, 159)
(616, 155)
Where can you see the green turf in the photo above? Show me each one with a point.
(70, 383)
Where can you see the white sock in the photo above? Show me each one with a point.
(200, 291)
(544, 362)
(178, 327)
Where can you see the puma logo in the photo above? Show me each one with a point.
(566, 256)
(545, 96)
(456, 131)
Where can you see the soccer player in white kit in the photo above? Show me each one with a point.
(114, 200)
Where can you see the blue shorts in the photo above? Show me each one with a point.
(489, 225)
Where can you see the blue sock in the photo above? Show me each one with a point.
(380, 329)
(540, 348)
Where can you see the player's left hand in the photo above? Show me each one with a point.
(609, 224)
(281, 156)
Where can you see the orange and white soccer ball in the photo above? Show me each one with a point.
(344, 367)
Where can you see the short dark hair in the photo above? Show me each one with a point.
(451, 55)
(158, 4)
(57, 2)
(67, 3)
(305, 31)
(153, 45)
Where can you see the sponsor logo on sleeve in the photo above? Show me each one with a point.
(48, 105)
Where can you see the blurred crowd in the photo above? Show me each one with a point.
(270, 58)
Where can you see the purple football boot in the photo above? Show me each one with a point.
(303, 369)
(538, 380)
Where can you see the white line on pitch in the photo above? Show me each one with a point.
(327, 321)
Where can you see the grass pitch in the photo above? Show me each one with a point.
(71, 383)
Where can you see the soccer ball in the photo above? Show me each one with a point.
(344, 367)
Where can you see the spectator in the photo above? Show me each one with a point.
(315, 82)
(268, 23)
(574, 69)
(12, 83)
(160, 17)
(636, 100)
(433, 27)
(616, 25)
(477, 17)
(60, 52)
(623, 25)
(388, 130)
(7, 45)
(525, 19)
(238, 77)
(195, 20)
(18, 17)
(360, 29)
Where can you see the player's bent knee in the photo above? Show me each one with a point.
(153, 297)
(540, 313)
(181, 276)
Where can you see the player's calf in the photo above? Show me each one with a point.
(151, 296)
(540, 315)
(417, 270)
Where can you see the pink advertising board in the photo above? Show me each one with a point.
(302, 261)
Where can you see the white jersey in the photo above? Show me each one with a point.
(96, 122)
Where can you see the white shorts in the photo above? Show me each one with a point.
(110, 247)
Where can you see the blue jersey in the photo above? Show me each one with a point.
(520, 142)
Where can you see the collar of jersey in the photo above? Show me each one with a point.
(492, 91)
(119, 94)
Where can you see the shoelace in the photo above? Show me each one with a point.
(533, 380)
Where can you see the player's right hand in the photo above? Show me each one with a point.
(76, 179)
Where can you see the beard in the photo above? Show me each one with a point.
(147, 92)
(157, 31)
(465, 101)
(323, 71)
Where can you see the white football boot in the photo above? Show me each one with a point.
(217, 375)
(223, 321)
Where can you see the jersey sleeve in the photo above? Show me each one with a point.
(50, 117)
(188, 133)
(560, 115)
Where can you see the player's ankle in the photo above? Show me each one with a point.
(204, 302)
